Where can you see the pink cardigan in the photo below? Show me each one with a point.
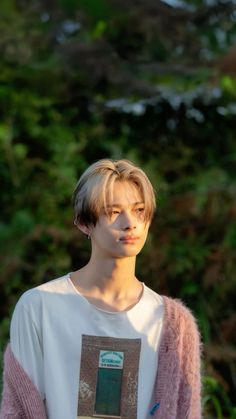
(20, 399)
(178, 385)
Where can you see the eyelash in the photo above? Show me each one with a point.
(137, 210)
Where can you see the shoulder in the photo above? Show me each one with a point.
(179, 321)
(151, 304)
(175, 309)
(56, 286)
(152, 296)
(32, 298)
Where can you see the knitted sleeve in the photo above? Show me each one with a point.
(189, 401)
(178, 384)
(20, 398)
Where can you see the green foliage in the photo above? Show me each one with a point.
(215, 400)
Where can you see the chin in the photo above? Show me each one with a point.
(131, 253)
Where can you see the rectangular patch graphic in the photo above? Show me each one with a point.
(108, 377)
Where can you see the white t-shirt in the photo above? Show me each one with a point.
(47, 327)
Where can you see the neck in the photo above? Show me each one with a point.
(114, 276)
(110, 285)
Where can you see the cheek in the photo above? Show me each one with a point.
(109, 232)
(145, 233)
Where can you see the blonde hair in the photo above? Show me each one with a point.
(94, 189)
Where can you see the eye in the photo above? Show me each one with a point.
(113, 212)
(139, 210)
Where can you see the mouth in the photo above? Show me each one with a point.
(128, 239)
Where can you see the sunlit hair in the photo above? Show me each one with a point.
(94, 190)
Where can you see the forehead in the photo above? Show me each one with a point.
(124, 193)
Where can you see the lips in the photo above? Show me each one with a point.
(128, 239)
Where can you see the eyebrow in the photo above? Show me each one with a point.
(120, 206)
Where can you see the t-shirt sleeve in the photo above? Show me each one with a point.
(26, 338)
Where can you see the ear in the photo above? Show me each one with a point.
(84, 228)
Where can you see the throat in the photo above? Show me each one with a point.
(114, 303)
(106, 295)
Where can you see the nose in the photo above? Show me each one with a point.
(128, 221)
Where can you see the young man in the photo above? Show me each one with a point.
(98, 342)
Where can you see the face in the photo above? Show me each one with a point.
(123, 231)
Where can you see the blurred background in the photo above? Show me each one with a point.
(148, 80)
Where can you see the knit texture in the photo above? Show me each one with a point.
(20, 399)
(178, 385)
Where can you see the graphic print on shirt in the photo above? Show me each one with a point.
(108, 377)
